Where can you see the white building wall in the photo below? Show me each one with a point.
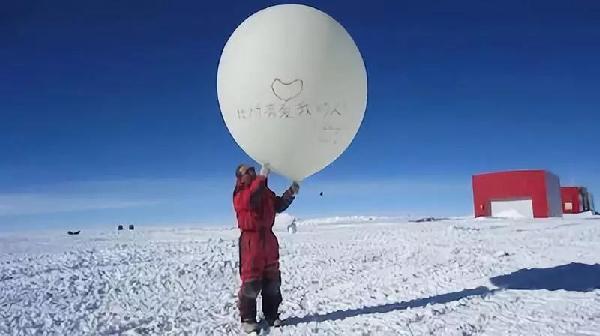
(517, 208)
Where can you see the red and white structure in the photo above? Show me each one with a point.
(519, 193)
(576, 200)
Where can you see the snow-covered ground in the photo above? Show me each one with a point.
(356, 276)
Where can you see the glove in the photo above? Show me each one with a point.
(265, 170)
(295, 187)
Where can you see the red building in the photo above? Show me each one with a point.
(576, 200)
(520, 193)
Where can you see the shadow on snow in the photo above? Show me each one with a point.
(575, 277)
(386, 308)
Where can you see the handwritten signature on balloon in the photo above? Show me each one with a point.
(286, 110)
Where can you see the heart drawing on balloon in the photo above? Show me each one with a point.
(287, 91)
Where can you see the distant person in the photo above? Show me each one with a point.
(255, 206)
(292, 228)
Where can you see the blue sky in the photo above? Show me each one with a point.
(109, 113)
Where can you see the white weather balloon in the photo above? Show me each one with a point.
(292, 89)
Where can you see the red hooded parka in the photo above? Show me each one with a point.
(255, 206)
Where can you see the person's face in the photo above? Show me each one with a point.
(247, 174)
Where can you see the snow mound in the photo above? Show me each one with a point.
(344, 220)
(587, 214)
(283, 221)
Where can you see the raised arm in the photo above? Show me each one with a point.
(284, 201)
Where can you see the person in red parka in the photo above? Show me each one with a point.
(256, 206)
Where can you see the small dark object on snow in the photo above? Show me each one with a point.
(131, 227)
(120, 227)
(73, 233)
(426, 219)
(321, 193)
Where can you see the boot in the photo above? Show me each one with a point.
(250, 326)
(275, 323)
